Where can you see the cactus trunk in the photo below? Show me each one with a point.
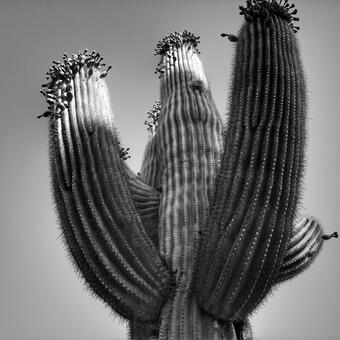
(190, 140)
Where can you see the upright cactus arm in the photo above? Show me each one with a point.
(95, 196)
(244, 242)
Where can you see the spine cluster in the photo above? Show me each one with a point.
(265, 9)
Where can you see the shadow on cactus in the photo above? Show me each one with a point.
(191, 245)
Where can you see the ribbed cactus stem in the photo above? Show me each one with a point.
(146, 202)
(93, 193)
(190, 140)
(149, 171)
(261, 169)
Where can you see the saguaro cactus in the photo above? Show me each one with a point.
(191, 245)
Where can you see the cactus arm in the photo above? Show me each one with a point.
(99, 220)
(150, 175)
(304, 245)
(259, 182)
(149, 171)
(151, 161)
(146, 202)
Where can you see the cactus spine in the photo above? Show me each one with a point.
(191, 245)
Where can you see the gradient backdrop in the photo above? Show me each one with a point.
(41, 298)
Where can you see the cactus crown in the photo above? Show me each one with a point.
(266, 8)
(176, 40)
(58, 89)
(71, 65)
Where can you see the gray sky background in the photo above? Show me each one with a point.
(41, 298)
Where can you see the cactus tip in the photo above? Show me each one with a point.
(176, 39)
(267, 8)
(60, 75)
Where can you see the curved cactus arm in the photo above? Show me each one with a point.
(99, 220)
(304, 246)
(259, 182)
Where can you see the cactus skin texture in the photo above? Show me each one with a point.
(191, 245)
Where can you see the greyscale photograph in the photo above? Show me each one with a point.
(170, 170)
